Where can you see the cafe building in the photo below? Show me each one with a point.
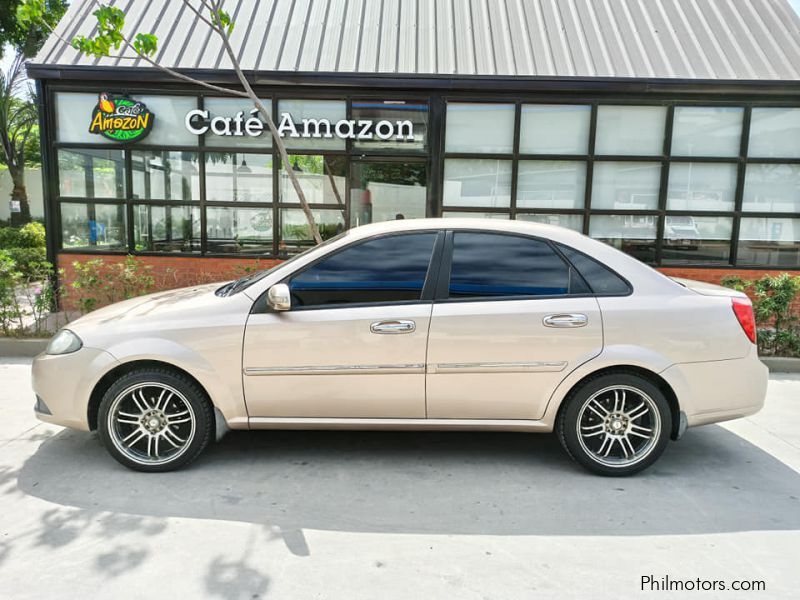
(668, 129)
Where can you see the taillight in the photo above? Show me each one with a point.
(743, 309)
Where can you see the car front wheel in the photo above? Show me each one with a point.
(616, 424)
(155, 420)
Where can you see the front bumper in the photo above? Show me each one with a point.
(64, 384)
(714, 391)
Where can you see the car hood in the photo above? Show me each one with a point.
(182, 301)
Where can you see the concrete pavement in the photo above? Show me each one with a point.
(395, 515)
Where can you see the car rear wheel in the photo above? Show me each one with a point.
(616, 424)
(155, 420)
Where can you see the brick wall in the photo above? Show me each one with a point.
(181, 271)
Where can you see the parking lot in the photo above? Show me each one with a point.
(395, 515)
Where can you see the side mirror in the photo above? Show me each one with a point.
(279, 297)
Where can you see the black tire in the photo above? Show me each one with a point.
(182, 395)
(599, 392)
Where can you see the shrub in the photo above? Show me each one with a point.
(773, 297)
(28, 236)
(97, 283)
(10, 310)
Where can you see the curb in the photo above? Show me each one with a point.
(27, 347)
(778, 364)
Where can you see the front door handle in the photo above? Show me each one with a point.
(393, 327)
(565, 320)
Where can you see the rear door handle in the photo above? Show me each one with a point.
(565, 320)
(393, 326)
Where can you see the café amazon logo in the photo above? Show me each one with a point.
(121, 119)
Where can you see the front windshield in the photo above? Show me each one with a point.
(245, 282)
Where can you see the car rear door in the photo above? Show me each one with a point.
(353, 344)
(509, 323)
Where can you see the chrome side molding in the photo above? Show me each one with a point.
(336, 370)
(498, 367)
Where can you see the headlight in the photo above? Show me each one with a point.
(64, 342)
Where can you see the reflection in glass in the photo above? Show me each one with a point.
(630, 130)
(701, 186)
(774, 133)
(313, 111)
(456, 214)
(295, 233)
(91, 173)
(633, 234)
(165, 175)
(554, 129)
(166, 228)
(229, 107)
(239, 230)
(551, 184)
(700, 239)
(574, 222)
(385, 191)
(393, 111)
(170, 112)
(771, 188)
(323, 179)
(93, 226)
(484, 128)
(237, 177)
(482, 182)
(769, 242)
(707, 131)
(625, 185)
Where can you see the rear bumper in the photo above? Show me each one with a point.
(714, 391)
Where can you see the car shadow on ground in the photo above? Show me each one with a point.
(431, 482)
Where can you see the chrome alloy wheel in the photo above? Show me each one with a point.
(618, 426)
(151, 423)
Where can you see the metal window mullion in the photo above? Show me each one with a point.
(664, 184)
(515, 160)
(587, 196)
(276, 188)
(128, 161)
(740, 179)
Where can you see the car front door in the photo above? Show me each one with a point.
(510, 323)
(353, 344)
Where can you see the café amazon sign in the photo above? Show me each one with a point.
(120, 118)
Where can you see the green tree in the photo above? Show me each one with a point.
(25, 38)
(110, 37)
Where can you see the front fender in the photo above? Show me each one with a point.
(223, 382)
(611, 356)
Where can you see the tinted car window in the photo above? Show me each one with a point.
(387, 269)
(486, 264)
(600, 278)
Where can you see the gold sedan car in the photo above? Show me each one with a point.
(415, 324)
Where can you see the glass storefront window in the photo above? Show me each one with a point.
(410, 121)
(551, 184)
(295, 233)
(633, 234)
(237, 177)
(574, 222)
(696, 239)
(769, 242)
(165, 175)
(774, 133)
(385, 191)
(554, 129)
(92, 226)
(480, 182)
(170, 116)
(480, 128)
(234, 230)
(73, 116)
(771, 188)
(701, 186)
(625, 185)
(228, 108)
(323, 179)
(313, 111)
(89, 173)
(630, 130)
(456, 214)
(707, 130)
(166, 228)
